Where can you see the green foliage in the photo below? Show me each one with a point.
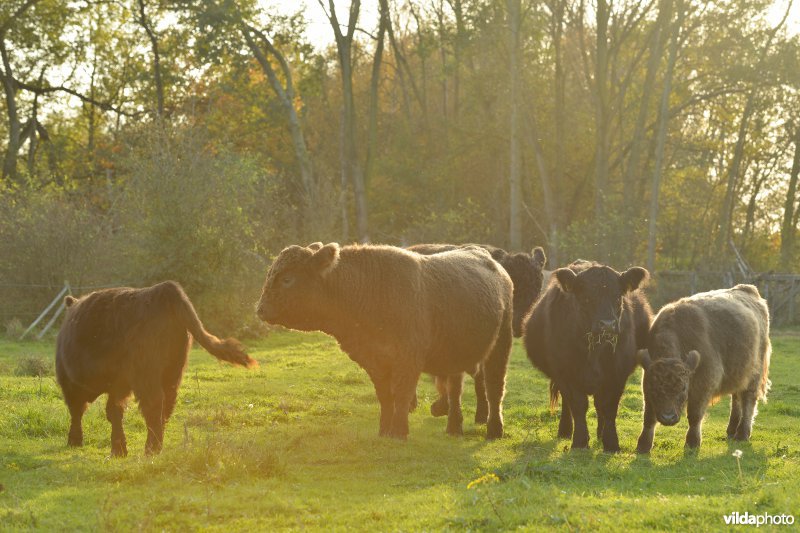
(294, 445)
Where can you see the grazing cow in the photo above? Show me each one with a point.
(700, 348)
(398, 313)
(124, 340)
(583, 334)
(525, 270)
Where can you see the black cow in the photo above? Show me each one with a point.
(583, 334)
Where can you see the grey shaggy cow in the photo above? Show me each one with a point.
(703, 347)
(398, 313)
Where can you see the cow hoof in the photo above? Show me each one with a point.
(440, 407)
(611, 450)
(481, 417)
(75, 442)
(643, 451)
(119, 450)
(741, 436)
(494, 431)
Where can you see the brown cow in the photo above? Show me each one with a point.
(525, 271)
(700, 348)
(122, 341)
(398, 313)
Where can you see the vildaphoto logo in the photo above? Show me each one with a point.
(758, 520)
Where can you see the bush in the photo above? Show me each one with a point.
(14, 329)
(34, 366)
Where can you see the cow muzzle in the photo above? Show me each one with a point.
(668, 419)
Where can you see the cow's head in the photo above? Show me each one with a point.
(599, 292)
(666, 384)
(525, 271)
(292, 293)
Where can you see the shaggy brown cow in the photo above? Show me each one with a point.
(703, 347)
(124, 340)
(398, 313)
(583, 334)
(525, 270)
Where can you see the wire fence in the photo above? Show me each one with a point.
(782, 291)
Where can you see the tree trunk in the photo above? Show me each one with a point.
(12, 116)
(661, 137)
(515, 170)
(372, 125)
(151, 35)
(601, 125)
(352, 166)
(726, 215)
(789, 226)
(559, 119)
(634, 167)
(286, 97)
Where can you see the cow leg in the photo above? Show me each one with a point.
(645, 443)
(578, 404)
(440, 407)
(152, 407)
(695, 412)
(607, 404)
(736, 415)
(747, 400)
(455, 420)
(404, 386)
(494, 370)
(598, 407)
(77, 404)
(481, 403)
(115, 409)
(383, 390)
(565, 421)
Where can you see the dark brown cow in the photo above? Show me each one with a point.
(398, 313)
(525, 270)
(700, 348)
(583, 334)
(122, 341)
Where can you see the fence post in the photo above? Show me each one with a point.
(47, 309)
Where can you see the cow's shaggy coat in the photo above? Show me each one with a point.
(398, 313)
(703, 347)
(121, 341)
(525, 270)
(583, 334)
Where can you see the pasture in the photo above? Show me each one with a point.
(294, 445)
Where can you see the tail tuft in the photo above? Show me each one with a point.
(232, 351)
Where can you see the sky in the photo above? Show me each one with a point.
(320, 33)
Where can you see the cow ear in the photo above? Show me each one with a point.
(69, 300)
(692, 359)
(566, 278)
(633, 278)
(643, 358)
(325, 258)
(539, 259)
(314, 246)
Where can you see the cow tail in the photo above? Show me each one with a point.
(764, 386)
(230, 349)
(553, 396)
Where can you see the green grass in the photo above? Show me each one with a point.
(294, 444)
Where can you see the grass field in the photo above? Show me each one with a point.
(294, 444)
